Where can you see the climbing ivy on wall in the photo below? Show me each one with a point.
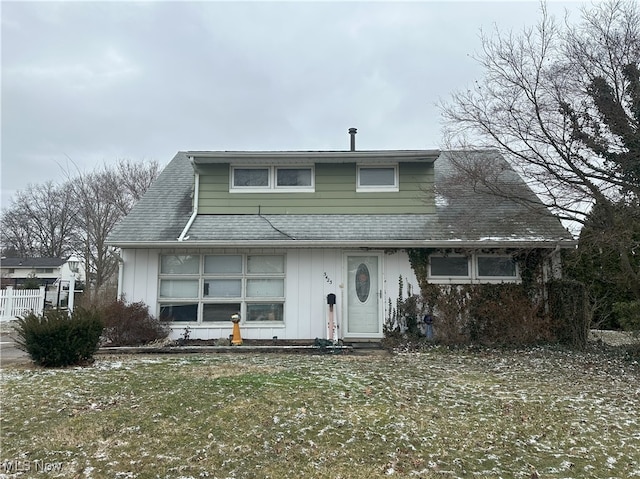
(486, 313)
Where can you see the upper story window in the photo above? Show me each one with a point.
(251, 178)
(272, 179)
(377, 178)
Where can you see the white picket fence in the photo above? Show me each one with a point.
(17, 302)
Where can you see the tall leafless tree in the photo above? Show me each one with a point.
(40, 221)
(77, 216)
(561, 102)
(104, 197)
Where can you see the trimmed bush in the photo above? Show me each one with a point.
(131, 324)
(569, 308)
(628, 314)
(504, 314)
(56, 339)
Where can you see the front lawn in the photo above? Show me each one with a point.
(440, 413)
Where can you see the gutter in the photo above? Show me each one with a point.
(398, 244)
(196, 193)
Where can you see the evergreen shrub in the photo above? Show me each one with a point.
(628, 314)
(569, 307)
(56, 339)
(131, 324)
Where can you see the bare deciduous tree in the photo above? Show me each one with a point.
(40, 221)
(77, 216)
(104, 197)
(562, 104)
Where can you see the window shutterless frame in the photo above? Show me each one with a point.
(377, 178)
(272, 179)
(449, 266)
(500, 267)
(207, 289)
(476, 268)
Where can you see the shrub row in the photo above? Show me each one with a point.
(495, 314)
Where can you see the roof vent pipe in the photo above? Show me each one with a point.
(352, 133)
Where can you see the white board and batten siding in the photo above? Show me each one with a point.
(310, 275)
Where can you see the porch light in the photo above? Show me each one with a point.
(73, 263)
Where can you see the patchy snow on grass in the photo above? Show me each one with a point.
(447, 414)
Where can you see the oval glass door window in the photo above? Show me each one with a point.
(363, 282)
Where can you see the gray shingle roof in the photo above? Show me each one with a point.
(164, 210)
(32, 262)
(464, 214)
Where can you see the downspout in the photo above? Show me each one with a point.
(120, 276)
(549, 270)
(196, 193)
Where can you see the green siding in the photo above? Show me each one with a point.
(335, 193)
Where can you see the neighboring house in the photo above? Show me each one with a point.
(270, 234)
(52, 273)
(16, 271)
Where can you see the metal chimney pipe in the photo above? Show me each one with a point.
(352, 133)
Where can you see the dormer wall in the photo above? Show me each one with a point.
(335, 191)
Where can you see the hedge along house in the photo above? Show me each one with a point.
(271, 234)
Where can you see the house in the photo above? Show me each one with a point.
(46, 271)
(55, 274)
(272, 234)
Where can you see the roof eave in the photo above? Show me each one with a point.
(283, 157)
(379, 244)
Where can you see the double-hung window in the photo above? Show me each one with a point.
(211, 288)
(250, 179)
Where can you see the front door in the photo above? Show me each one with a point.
(364, 295)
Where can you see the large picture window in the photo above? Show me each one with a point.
(211, 288)
(272, 179)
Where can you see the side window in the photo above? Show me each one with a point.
(449, 266)
(496, 267)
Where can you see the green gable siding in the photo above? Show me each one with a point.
(335, 193)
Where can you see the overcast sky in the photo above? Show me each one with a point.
(86, 83)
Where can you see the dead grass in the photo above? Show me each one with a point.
(434, 414)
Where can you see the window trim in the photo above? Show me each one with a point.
(272, 180)
(378, 188)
